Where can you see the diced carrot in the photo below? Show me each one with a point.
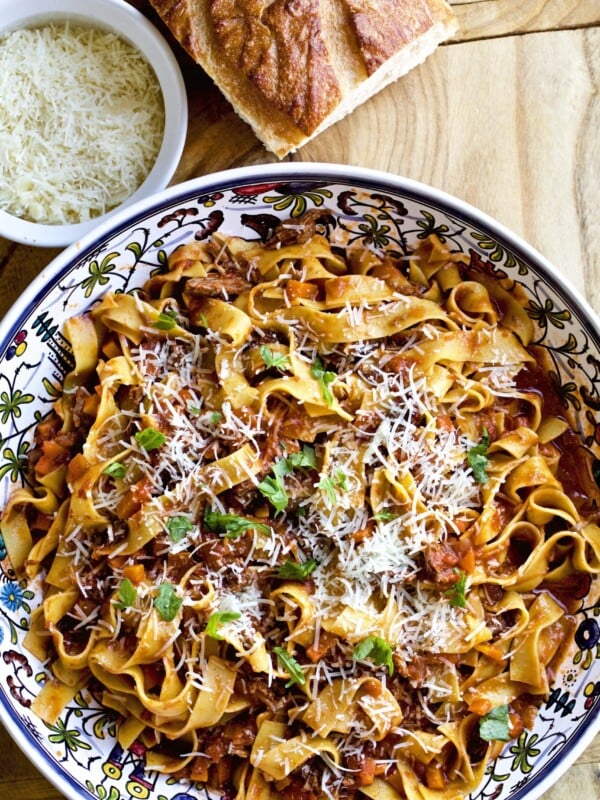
(53, 455)
(516, 725)
(434, 777)
(47, 428)
(362, 534)
(491, 651)
(53, 449)
(132, 501)
(77, 467)
(444, 422)
(461, 524)
(111, 349)
(480, 706)
(467, 561)
(223, 771)
(299, 289)
(135, 572)
(90, 405)
(316, 651)
(366, 776)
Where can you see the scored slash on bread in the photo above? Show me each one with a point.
(292, 68)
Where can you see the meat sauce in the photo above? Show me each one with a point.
(575, 466)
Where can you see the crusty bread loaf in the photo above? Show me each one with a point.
(291, 68)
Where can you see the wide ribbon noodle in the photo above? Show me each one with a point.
(308, 519)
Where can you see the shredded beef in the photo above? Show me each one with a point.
(216, 284)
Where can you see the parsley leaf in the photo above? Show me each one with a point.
(166, 320)
(377, 649)
(457, 593)
(166, 602)
(231, 525)
(477, 458)
(331, 485)
(297, 571)
(178, 526)
(215, 417)
(327, 486)
(291, 666)
(150, 439)
(384, 516)
(217, 619)
(274, 360)
(273, 487)
(495, 725)
(341, 480)
(127, 594)
(324, 378)
(115, 470)
(304, 459)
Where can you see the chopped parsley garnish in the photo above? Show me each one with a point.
(478, 459)
(324, 378)
(150, 439)
(195, 411)
(297, 571)
(166, 602)
(327, 485)
(178, 526)
(291, 666)
(231, 525)
(274, 360)
(215, 417)
(127, 594)
(377, 649)
(115, 470)
(304, 458)
(384, 516)
(217, 619)
(273, 487)
(457, 593)
(495, 725)
(330, 486)
(341, 480)
(166, 320)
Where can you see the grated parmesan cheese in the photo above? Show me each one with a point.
(81, 122)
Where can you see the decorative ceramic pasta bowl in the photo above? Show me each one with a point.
(356, 209)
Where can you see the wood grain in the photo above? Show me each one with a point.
(484, 19)
(506, 117)
(516, 135)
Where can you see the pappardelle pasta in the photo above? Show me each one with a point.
(308, 519)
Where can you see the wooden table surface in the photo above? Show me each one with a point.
(506, 117)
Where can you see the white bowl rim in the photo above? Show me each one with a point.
(131, 25)
(329, 173)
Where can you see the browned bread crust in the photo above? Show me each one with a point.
(282, 51)
(292, 67)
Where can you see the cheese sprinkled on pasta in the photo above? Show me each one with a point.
(305, 519)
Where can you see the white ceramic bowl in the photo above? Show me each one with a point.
(131, 25)
(79, 753)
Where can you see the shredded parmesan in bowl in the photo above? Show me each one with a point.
(81, 122)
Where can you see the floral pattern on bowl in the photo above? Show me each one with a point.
(79, 753)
